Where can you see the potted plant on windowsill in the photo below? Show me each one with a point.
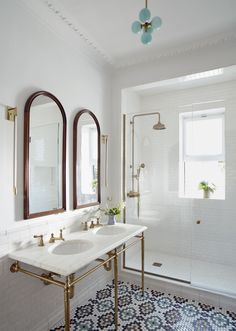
(113, 213)
(207, 189)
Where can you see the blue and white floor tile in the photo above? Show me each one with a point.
(153, 311)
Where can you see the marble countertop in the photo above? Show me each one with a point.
(42, 257)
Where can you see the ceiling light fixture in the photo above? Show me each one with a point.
(146, 26)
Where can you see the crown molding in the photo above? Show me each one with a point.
(158, 54)
(75, 28)
(91, 48)
(65, 31)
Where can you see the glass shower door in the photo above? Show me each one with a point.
(168, 218)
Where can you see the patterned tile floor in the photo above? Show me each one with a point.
(153, 311)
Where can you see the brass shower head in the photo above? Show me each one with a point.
(159, 126)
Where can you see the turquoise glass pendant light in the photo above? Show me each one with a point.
(146, 26)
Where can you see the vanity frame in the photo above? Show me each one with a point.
(70, 281)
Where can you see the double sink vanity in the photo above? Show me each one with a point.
(59, 258)
(66, 256)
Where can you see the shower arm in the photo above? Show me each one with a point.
(132, 142)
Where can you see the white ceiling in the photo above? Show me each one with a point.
(107, 23)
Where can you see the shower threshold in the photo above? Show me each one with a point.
(161, 265)
(158, 275)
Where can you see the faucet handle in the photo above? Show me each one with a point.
(61, 236)
(92, 225)
(98, 222)
(85, 225)
(40, 242)
(52, 239)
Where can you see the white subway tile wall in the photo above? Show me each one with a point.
(171, 220)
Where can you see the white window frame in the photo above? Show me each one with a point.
(191, 116)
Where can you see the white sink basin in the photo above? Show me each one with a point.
(111, 230)
(71, 247)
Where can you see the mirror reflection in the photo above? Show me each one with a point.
(87, 163)
(45, 159)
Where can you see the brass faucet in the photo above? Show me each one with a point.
(40, 242)
(53, 239)
(97, 224)
(92, 224)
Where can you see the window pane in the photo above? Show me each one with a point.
(208, 171)
(204, 137)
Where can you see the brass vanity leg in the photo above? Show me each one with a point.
(142, 258)
(116, 287)
(72, 287)
(67, 304)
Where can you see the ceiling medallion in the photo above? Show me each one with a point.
(146, 26)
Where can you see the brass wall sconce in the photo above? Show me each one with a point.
(105, 142)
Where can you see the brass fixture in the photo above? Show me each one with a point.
(50, 276)
(85, 225)
(72, 287)
(53, 239)
(133, 194)
(12, 116)
(98, 224)
(14, 267)
(70, 281)
(11, 113)
(108, 265)
(40, 242)
(158, 126)
(116, 287)
(92, 225)
(105, 142)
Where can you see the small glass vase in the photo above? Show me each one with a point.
(206, 194)
(111, 220)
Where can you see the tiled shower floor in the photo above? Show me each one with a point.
(210, 276)
(153, 311)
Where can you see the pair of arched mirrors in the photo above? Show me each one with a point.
(45, 157)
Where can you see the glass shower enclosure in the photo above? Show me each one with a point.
(190, 236)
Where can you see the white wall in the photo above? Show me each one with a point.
(33, 58)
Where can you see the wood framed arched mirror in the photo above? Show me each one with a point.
(44, 156)
(86, 160)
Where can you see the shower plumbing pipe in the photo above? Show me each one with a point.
(132, 142)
